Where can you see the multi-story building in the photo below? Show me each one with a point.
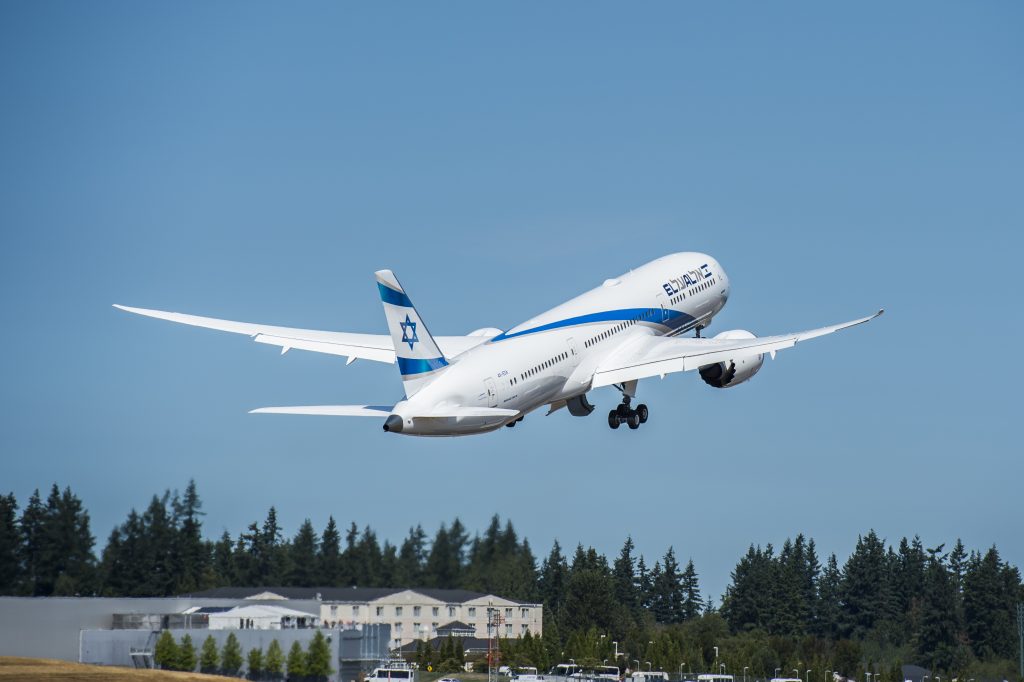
(413, 613)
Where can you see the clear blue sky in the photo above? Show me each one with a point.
(259, 161)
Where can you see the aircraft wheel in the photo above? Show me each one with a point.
(623, 410)
(511, 424)
(642, 410)
(633, 420)
(613, 419)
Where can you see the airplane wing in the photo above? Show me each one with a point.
(660, 355)
(378, 347)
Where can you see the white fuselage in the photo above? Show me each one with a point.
(552, 357)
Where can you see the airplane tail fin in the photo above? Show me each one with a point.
(419, 358)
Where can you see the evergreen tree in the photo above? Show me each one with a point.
(318, 664)
(157, 550)
(748, 601)
(165, 653)
(209, 657)
(624, 573)
(67, 564)
(936, 642)
(368, 564)
(668, 591)
(865, 589)
(446, 559)
(186, 654)
(331, 573)
(296, 662)
(589, 594)
(231, 656)
(190, 552)
(643, 584)
(412, 559)
(272, 559)
(388, 565)
(254, 662)
(829, 607)
(32, 526)
(991, 590)
(224, 561)
(273, 662)
(554, 574)
(10, 545)
(304, 565)
(691, 592)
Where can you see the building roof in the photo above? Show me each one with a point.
(469, 644)
(343, 594)
(265, 610)
(456, 625)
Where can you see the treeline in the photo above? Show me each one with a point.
(311, 665)
(951, 611)
(944, 607)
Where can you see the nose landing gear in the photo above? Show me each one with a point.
(623, 414)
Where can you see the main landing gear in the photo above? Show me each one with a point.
(624, 414)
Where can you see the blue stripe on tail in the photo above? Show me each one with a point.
(389, 295)
(409, 366)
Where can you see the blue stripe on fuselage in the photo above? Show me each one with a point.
(673, 319)
(407, 366)
(389, 295)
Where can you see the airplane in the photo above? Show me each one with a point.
(629, 328)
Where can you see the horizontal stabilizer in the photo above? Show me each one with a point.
(472, 412)
(380, 411)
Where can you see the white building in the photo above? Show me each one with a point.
(256, 617)
(412, 613)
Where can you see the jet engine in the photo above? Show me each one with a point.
(732, 372)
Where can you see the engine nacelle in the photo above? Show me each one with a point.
(732, 372)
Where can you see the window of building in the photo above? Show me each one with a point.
(380, 610)
(416, 627)
(435, 612)
(334, 610)
(525, 613)
(451, 611)
(398, 610)
(472, 612)
(508, 613)
(355, 610)
(398, 629)
(508, 629)
(433, 628)
(416, 610)
(523, 628)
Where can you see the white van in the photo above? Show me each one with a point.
(648, 676)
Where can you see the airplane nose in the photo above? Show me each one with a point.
(393, 424)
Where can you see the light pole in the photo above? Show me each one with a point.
(616, 650)
(807, 677)
(648, 665)
(681, 670)
(637, 661)
(777, 671)
(796, 673)
(827, 673)
(745, 673)
(721, 668)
